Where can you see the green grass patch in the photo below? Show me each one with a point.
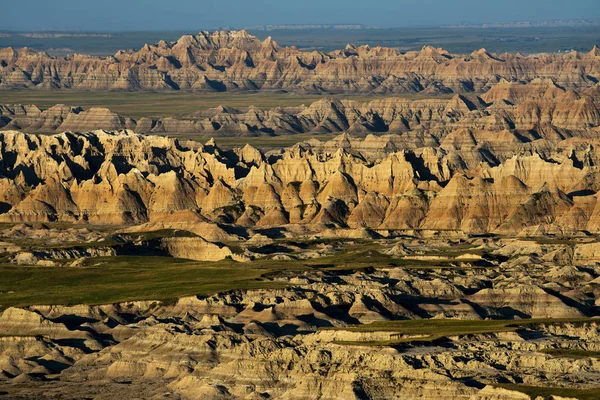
(572, 353)
(161, 104)
(547, 392)
(102, 280)
(428, 330)
(105, 280)
(42, 244)
(367, 253)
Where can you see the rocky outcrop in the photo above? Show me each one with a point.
(235, 60)
(453, 256)
(124, 178)
(302, 340)
(519, 112)
(196, 248)
(19, 322)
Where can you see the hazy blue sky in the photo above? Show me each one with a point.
(110, 15)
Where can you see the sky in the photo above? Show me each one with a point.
(154, 15)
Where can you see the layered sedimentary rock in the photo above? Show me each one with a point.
(530, 188)
(298, 342)
(539, 109)
(235, 60)
(460, 214)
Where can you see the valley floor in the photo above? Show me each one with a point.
(407, 315)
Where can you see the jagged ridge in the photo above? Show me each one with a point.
(124, 178)
(540, 108)
(235, 60)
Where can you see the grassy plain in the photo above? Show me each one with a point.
(428, 330)
(154, 104)
(176, 104)
(103, 280)
(547, 392)
(113, 279)
(572, 353)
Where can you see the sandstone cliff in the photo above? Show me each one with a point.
(235, 60)
(539, 109)
(376, 183)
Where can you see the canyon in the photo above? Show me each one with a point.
(444, 245)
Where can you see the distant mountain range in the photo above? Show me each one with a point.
(237, 61)
(308, 26)
(532, 24)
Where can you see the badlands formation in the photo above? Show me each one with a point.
(444, 248)
(538, 109)
(235, 60)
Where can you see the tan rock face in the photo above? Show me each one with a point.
(513, 112)
(299, 341)
(19, 322)
(195, 248)
(124, 178)
(465, 211)
(235, 60)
